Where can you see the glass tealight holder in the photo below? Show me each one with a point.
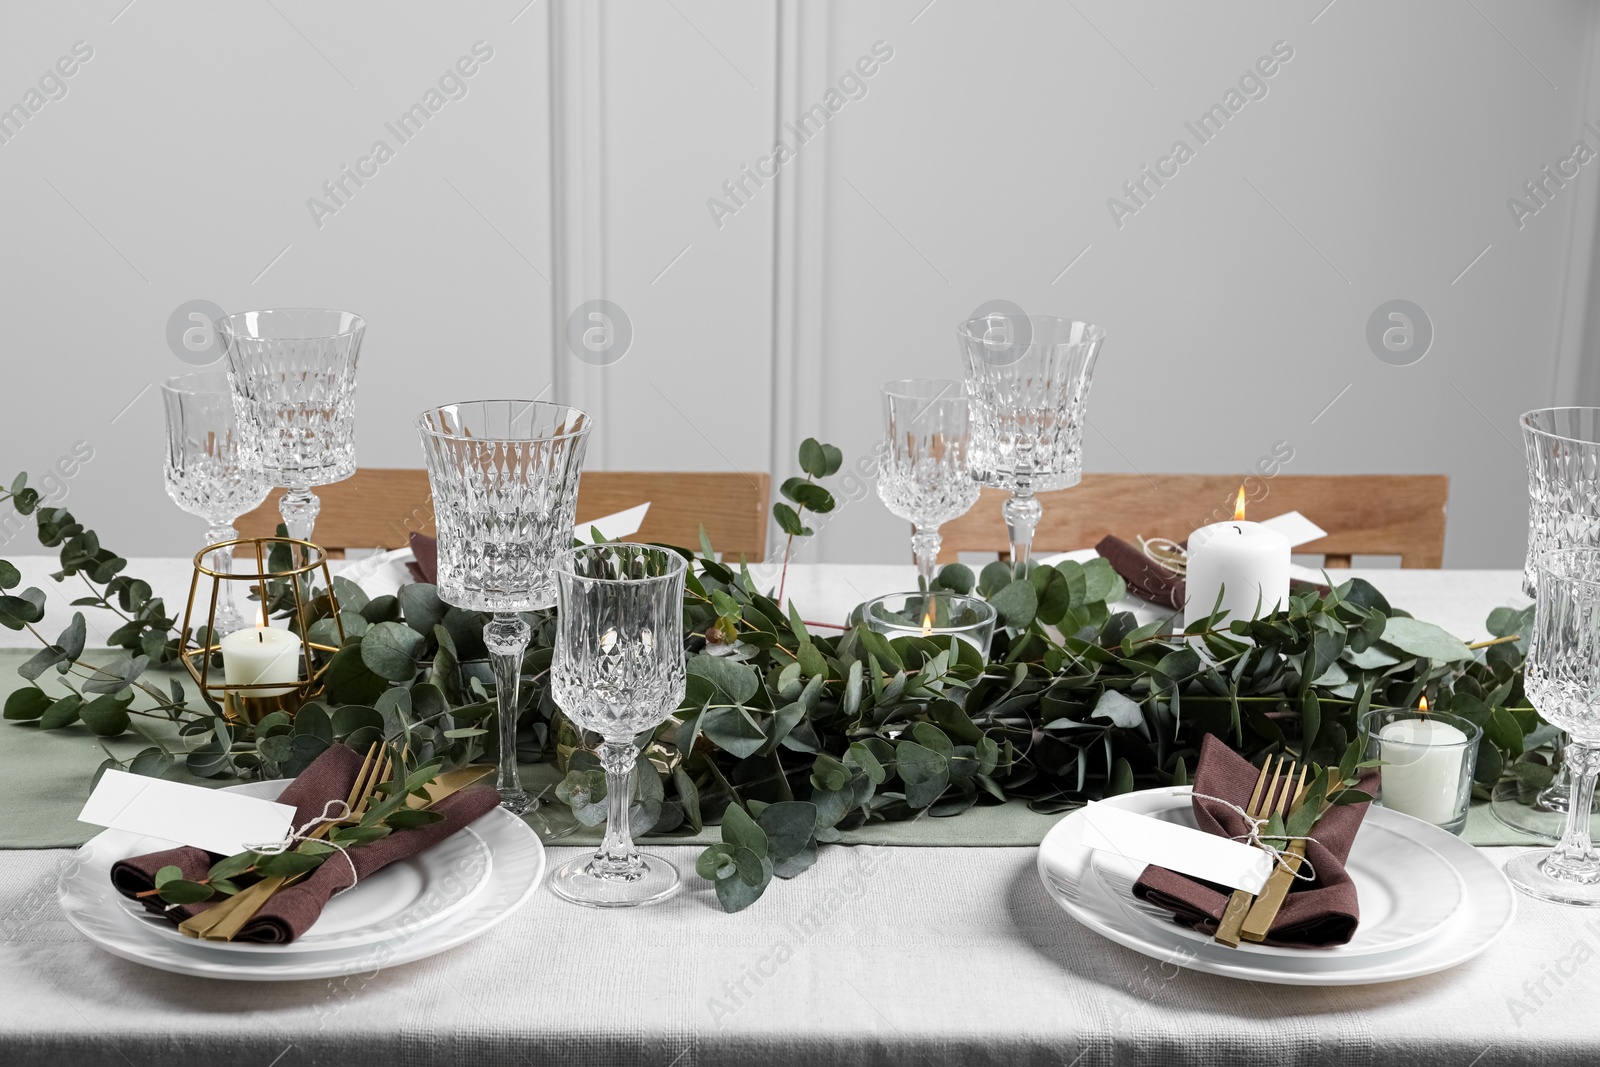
(936, 615)
(1428, 762)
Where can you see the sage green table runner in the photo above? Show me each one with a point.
(45, 776)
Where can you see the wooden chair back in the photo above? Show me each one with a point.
(1370, 514)
(382, 507)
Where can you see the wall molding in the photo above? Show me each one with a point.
(577, 201)
(800, 222)
(1576, 376)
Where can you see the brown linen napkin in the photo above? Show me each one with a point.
(1319, 914)
(291, 911)
(426, 549)
(1147, 579)
(1152, 582)
(329, 777)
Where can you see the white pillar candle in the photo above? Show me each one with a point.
(261, 654)
(1246, 562)
(1421, 773)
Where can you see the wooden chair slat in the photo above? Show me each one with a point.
(382, 507)
(1370, 514)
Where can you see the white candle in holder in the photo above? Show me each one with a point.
(1247, 563)
(1425, 773)
(258, 655)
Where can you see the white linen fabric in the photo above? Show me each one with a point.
(877, 955)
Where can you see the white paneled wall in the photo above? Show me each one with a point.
(605, 150)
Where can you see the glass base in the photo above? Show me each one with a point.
(1527, 873)
(656, 881)
(1537, 821)
(548, 821)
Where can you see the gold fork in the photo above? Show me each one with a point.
(1265, 909)
(1266, 798)
(209, 924)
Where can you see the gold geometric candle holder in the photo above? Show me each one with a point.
(265, 675)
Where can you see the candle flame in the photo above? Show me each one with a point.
(1238, 506)
(927, 619)
(1422, 705)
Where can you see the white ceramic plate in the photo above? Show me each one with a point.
(1408, 893)
(403, 898)
(517, 864)
(1487, 907)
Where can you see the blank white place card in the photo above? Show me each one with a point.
(1178, 848)
(1296, 527)
(211, 819)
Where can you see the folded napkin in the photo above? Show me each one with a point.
(426, 551)
(1316, 914)
(330, 777)
(291, 912)
(1160, 585)
(1147, 579)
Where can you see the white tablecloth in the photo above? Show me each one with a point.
(877, 955)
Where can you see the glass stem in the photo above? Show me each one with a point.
(618, 858)
(299, 509)
(925, 550)
(228, 618)
(506, 636)
(1557, 796)
(1575, 859)
(1021, 512)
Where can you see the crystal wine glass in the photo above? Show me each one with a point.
(923, 477)
(1563, 452)
(1563, 682)
(504, 476)
(618, 670)
(1028, 377)
(205, 473)
(294, 383)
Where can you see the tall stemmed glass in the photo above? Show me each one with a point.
(1028, 377)
(1563, 452)
(205, 473)
(294, 383)
(504, 475)
(923, 476)
(619, 671)
(1563, 681)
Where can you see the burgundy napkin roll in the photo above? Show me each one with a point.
(329, 777)
(1147, 579)
(1319, 914)
(291, 911)
(426, 549)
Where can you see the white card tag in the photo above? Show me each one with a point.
(186, 814)
(614, 527)
(1177, 848)
(1296, 527)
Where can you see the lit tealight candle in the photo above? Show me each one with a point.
(1422, 767)
(259, 655)
(938, 616)
(1247, 563)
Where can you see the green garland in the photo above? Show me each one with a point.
(789, 739)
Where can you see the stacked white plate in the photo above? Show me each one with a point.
(417, 907)
(1429, 901)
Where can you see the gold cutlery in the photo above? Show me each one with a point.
(1265, 799)
(1265, 909)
